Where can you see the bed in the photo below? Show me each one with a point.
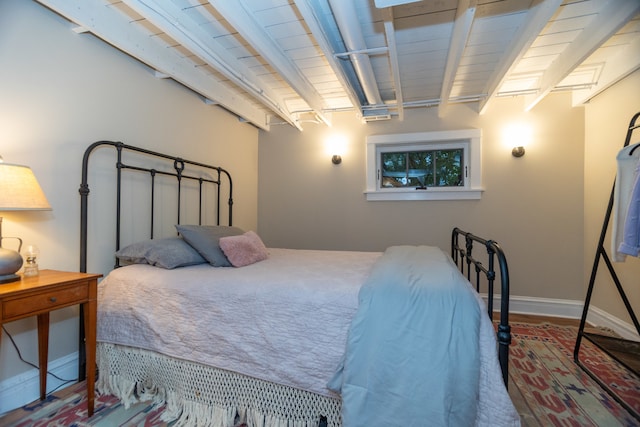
(224, 331)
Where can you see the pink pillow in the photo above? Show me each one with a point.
(244, 249)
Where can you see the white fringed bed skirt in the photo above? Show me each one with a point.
(200, 395)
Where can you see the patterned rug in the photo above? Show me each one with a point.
(68, 408)
(546, 386)
(549, 389)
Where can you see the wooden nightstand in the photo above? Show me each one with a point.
(51, 290)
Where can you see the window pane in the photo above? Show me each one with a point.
(449, 168)
(394, 170)
(420, 171)
(433, 168)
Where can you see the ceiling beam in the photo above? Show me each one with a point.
(390, 34)
(537, 17)
(461, 29)
(252, 31)
(621, 65)
(313, 22)
(105, 22)
(173, 21)
(610, 19)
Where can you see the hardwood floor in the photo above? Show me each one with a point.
(532, 318)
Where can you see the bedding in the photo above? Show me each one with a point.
(260, 321)
(244, 250)
(408, 354)
(206, 240)
(170, 252)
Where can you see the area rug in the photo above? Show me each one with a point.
(549, 389)
(546, 386)
(68, 408)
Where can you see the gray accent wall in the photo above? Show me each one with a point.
(532, 206)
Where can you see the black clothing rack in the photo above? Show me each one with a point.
(626, 352)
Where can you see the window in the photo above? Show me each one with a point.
(424, 166)
(421, 169)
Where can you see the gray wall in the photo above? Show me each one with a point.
(61, 91)
(607, 120)
(533, 206)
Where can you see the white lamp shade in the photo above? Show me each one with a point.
(19, 189)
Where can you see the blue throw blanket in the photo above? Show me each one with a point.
(412, 355)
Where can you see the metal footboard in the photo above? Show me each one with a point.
(462, 252)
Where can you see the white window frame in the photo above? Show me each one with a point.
(469, 139)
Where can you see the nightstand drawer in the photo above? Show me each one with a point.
(44, 301)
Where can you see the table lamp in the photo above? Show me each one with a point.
(19, 191)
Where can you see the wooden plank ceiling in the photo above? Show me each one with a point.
(295, 61)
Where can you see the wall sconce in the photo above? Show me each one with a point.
(521, 134)
(19, 191)
(518, 151)
(335, 146)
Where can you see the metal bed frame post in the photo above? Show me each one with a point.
(153, 200)
(119, 167)
(614, 347)
(464, 255)
(178, 165)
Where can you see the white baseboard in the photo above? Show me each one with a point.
(571, 310)
(24, 388)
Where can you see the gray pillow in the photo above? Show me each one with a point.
(205, 239)
(167, 253)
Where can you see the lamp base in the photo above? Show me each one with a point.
(8, 278)
(10, 263)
